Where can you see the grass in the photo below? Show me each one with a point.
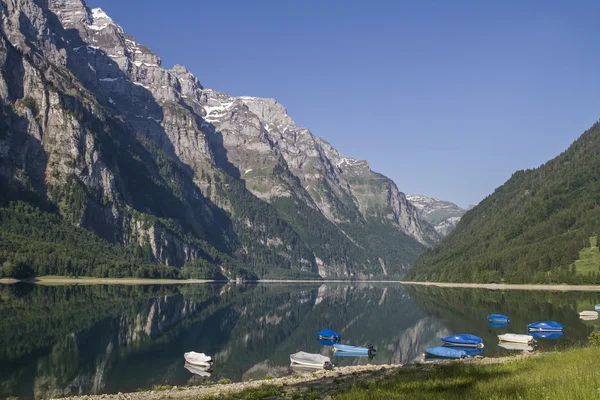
(571, 374)
(589, 258)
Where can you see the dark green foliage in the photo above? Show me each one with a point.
(17, 270)
(51, 246)
(530, 229)
(202, 269)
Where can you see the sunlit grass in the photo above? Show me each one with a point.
(571, 374)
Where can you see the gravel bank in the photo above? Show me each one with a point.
(324, 382)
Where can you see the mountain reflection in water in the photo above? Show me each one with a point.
(67, 340)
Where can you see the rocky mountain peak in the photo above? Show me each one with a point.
(443, 215)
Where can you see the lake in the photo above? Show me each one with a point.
(67, 340)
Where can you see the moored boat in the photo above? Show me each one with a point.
(516, 338)
(328, 334)
(597, 307)
(352, 349)
(200, 359)
(463, 339)
(445, 352)
(545, 326)
(310, 360)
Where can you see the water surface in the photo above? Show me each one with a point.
(66, 340)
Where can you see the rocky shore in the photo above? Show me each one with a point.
(319, 384)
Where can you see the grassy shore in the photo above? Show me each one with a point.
(569, 374)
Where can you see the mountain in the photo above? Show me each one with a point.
(442, 215)
(111, 165)
(531, 229)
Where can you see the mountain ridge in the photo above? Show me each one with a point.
(180, 175)
(443, 215)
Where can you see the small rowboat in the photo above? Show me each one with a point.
(352, 349)
(199, 359)
(498, 318)
(545, 326)
(516, 338)
(328, 334)
(584, 314)
(463, 340)
(309, 360)
(445, 352)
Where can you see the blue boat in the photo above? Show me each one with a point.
(597, 307)
(498, 318)
(497, 324)
(328, 334)
(445, 352)
(352, 349)
(546, 334)
(463, 339)
(545, 326)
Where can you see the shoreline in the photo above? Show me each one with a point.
(329, 382)
(50, 280)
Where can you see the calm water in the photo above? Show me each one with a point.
(104, 339)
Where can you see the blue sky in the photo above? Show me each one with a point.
(446, 98)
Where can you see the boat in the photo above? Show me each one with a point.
(590, 318)
(597, 307)
(445, 352)
(498, 318)
(498, 324)
(546, 334)
(198, 370)
(200, 359)
(546, 326)
(516, 346)
(328, 334)
(464, 340)
(516, 338)
(310, 360)
(353, 349)
(588, 314)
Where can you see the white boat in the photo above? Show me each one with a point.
(516, 338)
(516, 346)
(588, 318)
(588, 314)
(199, 359)
(309, 359)
(197, 369)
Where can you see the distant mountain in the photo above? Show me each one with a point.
(531, 229)
(442, 215)
(112, 165)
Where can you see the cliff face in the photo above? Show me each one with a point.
(146, 157)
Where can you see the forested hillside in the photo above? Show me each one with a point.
(531, 229)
